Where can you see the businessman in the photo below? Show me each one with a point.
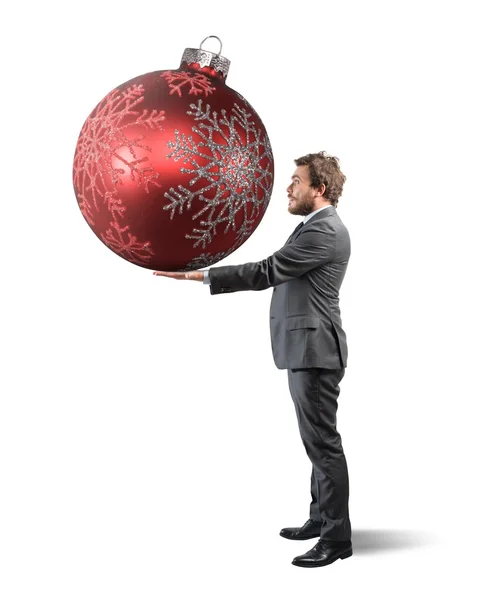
(308, 340)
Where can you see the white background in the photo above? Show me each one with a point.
(148, 445)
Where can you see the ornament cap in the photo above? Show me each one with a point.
(204, 61)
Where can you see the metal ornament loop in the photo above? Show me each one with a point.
(212, 36)
(205, 58)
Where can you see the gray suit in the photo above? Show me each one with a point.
(308, 340)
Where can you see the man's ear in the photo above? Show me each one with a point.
(320, 191)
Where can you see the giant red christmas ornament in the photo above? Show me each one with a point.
(173, 170)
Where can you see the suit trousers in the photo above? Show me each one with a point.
(315, 395)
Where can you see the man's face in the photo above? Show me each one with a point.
(301, 197)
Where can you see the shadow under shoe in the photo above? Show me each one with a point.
(311, 529)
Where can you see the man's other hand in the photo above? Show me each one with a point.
(192, 275)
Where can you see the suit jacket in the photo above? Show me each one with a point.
(306, 274)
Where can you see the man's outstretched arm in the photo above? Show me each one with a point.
(310, 250)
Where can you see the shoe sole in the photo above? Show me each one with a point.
(324, 564)
(308, 537)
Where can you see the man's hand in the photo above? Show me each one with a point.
(193, 275)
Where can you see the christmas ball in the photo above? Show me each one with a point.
(173, 170)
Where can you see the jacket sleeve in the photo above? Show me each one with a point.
(310, 250)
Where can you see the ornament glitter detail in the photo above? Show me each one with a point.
(206, 59)
(199, 83)
(103, 154)
(205, 260)
(233, 160)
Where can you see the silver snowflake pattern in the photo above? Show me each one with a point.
(199, 83)
(235, 172)
(103, 139)
(244, 100)
(205, 260)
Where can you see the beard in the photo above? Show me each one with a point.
(301, 207)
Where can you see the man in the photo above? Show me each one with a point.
(308, 341)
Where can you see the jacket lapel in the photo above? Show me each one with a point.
(326, 212)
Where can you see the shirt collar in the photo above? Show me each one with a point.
(314, 213)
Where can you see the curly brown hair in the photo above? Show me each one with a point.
(324, 170)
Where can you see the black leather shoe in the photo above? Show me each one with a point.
(310, 529)
(324, 553)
